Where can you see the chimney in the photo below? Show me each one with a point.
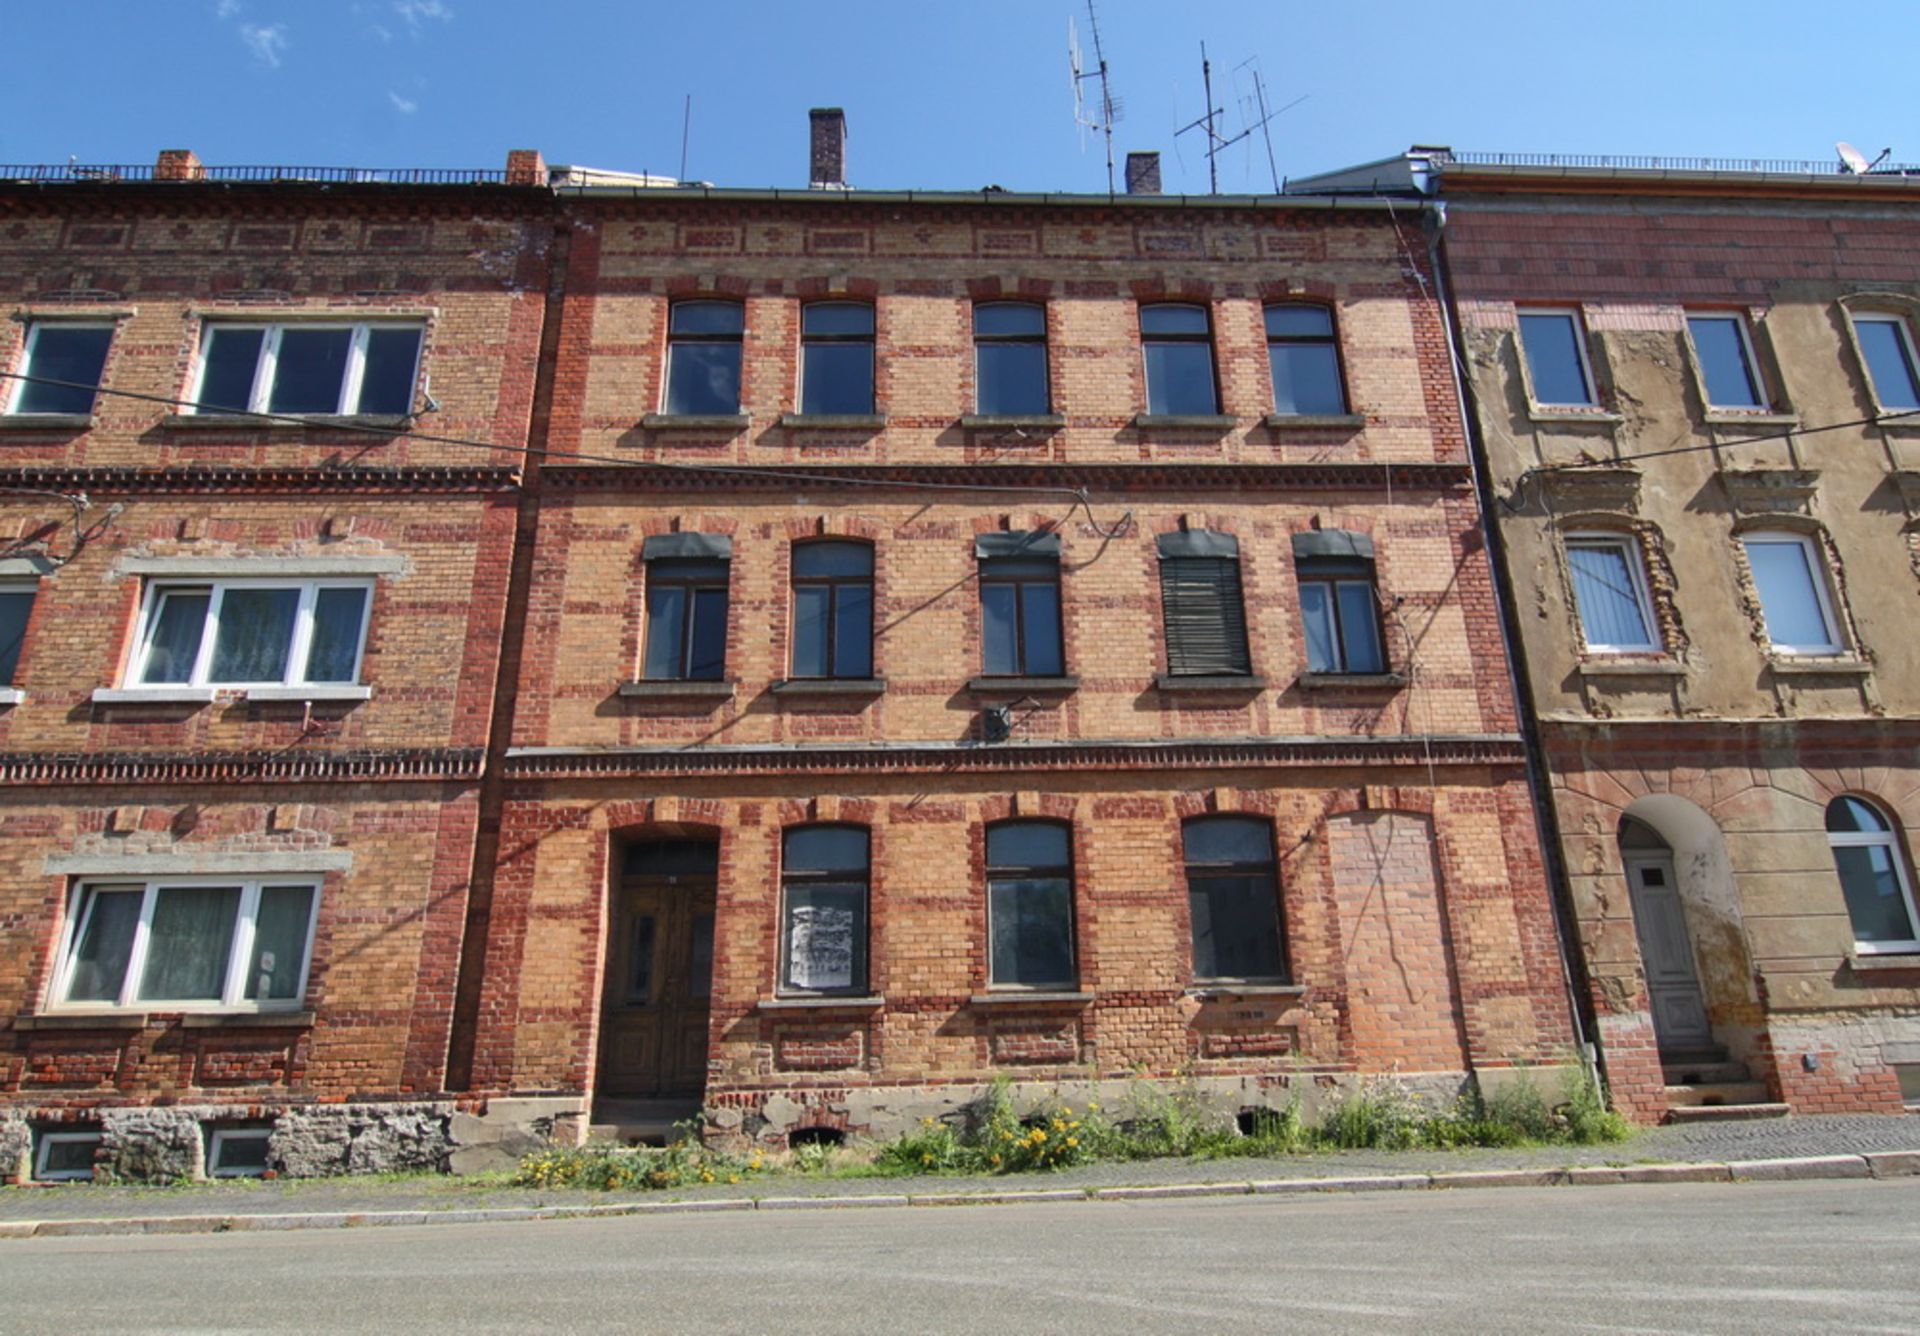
(1143, 173)
(827, 156)
(178, 164)
(525, 167)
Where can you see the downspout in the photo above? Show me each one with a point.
(1573, 963)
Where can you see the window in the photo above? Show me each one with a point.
(1178, 343)
(16, 606)
(703, 357)
(1724, 351)
(251, 632)
(833, 610)
(1555, 347)
(1886, 345)
(1338, 610)
(75, 354)
(1234, 897)
(66, 1157)
(308, 368)
(1010, 358)
(823, 876)
(1305, 360)
(836, 358)
(215, 942)
(1206, 622)
(1873, 876)
(1610, 594)
(238, 1152)
(1791, 580)
(1020, 604)
(1030, 905)
(687, 606)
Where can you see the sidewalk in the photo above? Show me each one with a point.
(1814, 1147)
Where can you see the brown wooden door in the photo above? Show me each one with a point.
(653, 1024)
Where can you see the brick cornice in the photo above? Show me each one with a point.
(1407, 749)
(257, 482)
(28, 770)
(1357, 475)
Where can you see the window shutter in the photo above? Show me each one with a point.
(1206, 619)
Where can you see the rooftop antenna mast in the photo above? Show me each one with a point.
(1216, 140)
(1110, 106)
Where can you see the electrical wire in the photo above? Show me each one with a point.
(1786, 434)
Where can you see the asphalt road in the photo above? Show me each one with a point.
(1823, 1256)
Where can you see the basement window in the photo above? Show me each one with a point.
(319, 369)
(70, 353)
(238, 1152)
(65, 1157)
(251, 632)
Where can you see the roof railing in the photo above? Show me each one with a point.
(1641, 163)
(143, 172)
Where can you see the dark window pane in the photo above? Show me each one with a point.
(1180, 378)
(1306, 379)
(189, 940)
(173, 641)
(1026, 844)
(666, 623)
(842, 318)
(672, 858)
(386, 381)
(279, 943)
(334, 653)
(707, 318)
(1173, 320)
(700, 957)
(1228, 839)
(1317, 622)
(309, 370)
(1724, 364)
(241, 1156)
(1236, 930)
(826, 937)
(15, 606)
(256, 631)
(67, 1158)
(108, 918)
(1360, 627)
(703, 378)
(69, 353)
(1040, 622)
(837, 378)
(853, 631)
(1874, 899)
(1299, 321)
(826, 849)
(1851, 816)
(640, 959)
(1032, 931)
(707, 645)
(831, 559)
(232, 357)
(812, 605)
(999, 606)
(1013, 377)
(1551, 340)
(1889, 363)
(1009, 320)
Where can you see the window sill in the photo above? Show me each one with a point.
(834, 421)
(1007, 686)
(1310, 421)
(1036, 998)
(1588, 417)
(45, 421)
(1350, 681)
(11, 695)
(315, 692)
(1185, 421)
(1846, 665)
(830, 686)
(1902, 420)
(153, 695)
(822, 1003)
(83, 1020)
(247, 1020)
(1734, 417)
(1628, 667)
(696, 421)
(1906, 960)
(1013, 421)
(389, 422)
(1211, 992)
(678, 689)
(1174, 684)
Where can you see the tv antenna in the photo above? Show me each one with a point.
(1110, 109)
(1217, 140)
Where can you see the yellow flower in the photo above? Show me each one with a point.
(1039, 1134)
(1066, 1112)
(926, 1159)
(1073, 1141)
(994, 1158)
(733, 1178)
(1074, 1124)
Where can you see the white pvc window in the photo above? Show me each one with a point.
(238, 1152)
(251, 633)
(1610, 593)
(1886, 345)
(308, 368)
(65, 1157)
(1873, 876)
(1723, 350)
(61, 368)
(1795, 603)
(188, 944)
(1555, 345)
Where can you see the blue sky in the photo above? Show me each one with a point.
(951, 95)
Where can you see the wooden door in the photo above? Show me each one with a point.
(1666, 952)
(653, 1022)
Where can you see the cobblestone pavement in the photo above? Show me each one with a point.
(1763, 1139)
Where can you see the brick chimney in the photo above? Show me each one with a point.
(178, 164)
(1143, 173)
(525, 167)
(827, 154)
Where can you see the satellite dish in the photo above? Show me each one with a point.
(1852, 158)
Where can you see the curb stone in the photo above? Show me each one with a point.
(1874, 1164)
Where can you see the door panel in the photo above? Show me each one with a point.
(1666, 953)
(655, 1007)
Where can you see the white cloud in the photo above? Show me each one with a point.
(417, 12)
(402, 105)
(266, 43)
(226, 9)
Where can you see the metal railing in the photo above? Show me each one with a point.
(396, 176)
(1642, 163)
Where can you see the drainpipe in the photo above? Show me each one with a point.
(1573, 964)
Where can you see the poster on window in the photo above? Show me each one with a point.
(820, 947)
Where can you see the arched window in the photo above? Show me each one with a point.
(823, 921)
(1873, 876)
(1030, 905)
(1235, 899)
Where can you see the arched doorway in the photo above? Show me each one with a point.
(1672, 972)
(658, 993)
